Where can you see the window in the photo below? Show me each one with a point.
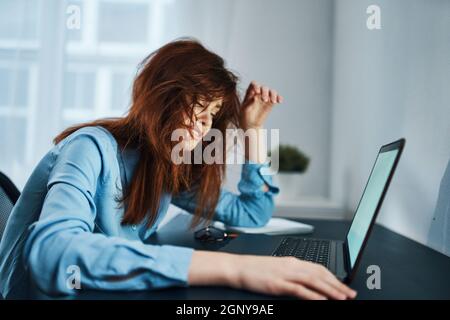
(115, 26)
(18, 21)
(13, 126)
(15, 85)
(120, 90)
(79, 89)
(52, 77)
(102, 56)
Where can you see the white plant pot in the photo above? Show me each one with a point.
(289, 184)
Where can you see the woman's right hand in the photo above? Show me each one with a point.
(282, 276)
(291, 276)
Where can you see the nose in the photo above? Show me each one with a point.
(205, 122)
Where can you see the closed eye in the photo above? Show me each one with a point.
(214, 115)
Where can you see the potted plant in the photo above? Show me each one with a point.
(292, 164)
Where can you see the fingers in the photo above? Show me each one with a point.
(318, 278)
(320, 285)
(273, 96)
(267, 94)
(253, 89)
(294, 277)
(256, 87)
(333, 281)
(301, 292)
(307, 286)
(327, 277)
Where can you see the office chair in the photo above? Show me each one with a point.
(8, 197)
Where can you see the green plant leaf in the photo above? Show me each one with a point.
(291, 159)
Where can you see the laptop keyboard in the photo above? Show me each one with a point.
(313, 250)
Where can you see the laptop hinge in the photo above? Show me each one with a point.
(346, 258)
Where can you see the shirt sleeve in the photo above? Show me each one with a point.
(62, 247)
(252, 207)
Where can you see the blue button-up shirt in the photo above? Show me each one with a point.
(68, 220)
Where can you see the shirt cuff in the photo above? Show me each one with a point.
(173, 264)
(253, 177)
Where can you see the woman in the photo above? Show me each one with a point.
(106, 185)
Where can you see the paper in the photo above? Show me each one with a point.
(273, 227)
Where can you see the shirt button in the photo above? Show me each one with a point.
(133, 227)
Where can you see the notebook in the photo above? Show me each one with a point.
(275, 226)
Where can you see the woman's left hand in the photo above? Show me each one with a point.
(257, 104)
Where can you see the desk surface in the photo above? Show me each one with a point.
(409, 270)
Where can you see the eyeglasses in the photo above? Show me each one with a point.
(210, 234)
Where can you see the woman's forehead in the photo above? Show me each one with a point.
(215, 104)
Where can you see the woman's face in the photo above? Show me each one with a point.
(202, 123)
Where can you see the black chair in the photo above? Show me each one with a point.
(8, 197)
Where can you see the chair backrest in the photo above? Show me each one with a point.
(8, 197)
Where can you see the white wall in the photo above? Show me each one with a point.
(387, 84)
(287, 45)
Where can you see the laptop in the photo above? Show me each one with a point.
(342, 257)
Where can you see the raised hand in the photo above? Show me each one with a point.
(257, 104)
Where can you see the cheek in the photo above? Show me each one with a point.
(188, 121)
(207, 130)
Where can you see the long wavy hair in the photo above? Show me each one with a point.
(169, 83)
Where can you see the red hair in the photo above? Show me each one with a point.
(169, 83)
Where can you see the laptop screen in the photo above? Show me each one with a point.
(369, 202)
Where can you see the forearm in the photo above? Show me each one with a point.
(256, 148)
(256, 145)
(213, 268)
(103, 262)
